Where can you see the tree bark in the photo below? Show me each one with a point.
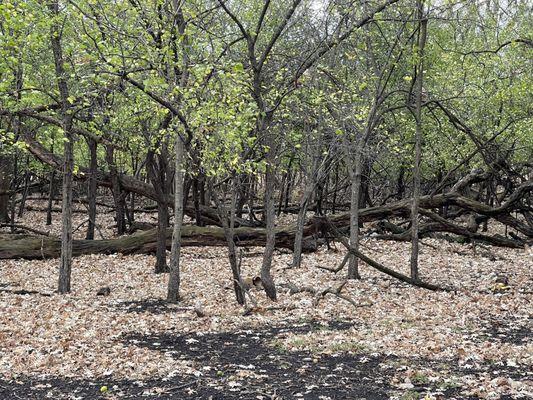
(300, 224)
(353, 264)
(270, 216)
(68, 152)
(161, 251)
(91, 190)
(31, 247)
(5, 173)
(418, 139)
(174, 276)
(229, 234)
(51, 193)
(36, 247)
(116, 188)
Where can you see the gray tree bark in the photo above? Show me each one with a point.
(68, 165)
(91, 189)
(418, 139)
(174, 276)
(5, 173)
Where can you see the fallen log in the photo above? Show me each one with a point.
(145, 242)
(428, 229)
(402, 209)
(41, 247)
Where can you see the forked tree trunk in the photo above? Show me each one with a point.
(229, 234)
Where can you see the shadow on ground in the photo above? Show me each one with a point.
(245, 364)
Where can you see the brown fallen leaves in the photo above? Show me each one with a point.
(79, 334)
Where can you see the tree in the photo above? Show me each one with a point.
(422, 36)
(56, 32)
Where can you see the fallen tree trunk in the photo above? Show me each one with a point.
(402, 209)
(426, 230)
(41, 247)
(45, 247)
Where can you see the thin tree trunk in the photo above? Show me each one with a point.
(229, 234)
(300, 224)
(5, 173)
(418, 140)
(196, 201)
(174, 276)
(51, 193)
(353, 263)
(92, 186)
(288, 189)
(400, 184)
(334, 200)
(66, 215)
(68, 150)
(270, 215)
(116, 189)
(8, 175)
(26, 187)
(161, 250)
(282, 192)
(14, 188)
(356, 189)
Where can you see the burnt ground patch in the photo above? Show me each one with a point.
(247, 364)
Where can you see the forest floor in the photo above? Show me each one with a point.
(399, 342)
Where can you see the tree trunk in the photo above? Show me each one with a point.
(51, 193)
(229, 234)
(174, 276)
(5, 173)
(300, 224)
(270, 215)
(68, 152)
(14, 188)
(91, 190)
(353, 263)
(26, 188)
(161, 251)
(116, 188)
(418, 140)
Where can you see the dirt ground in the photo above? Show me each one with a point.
(396, 342)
